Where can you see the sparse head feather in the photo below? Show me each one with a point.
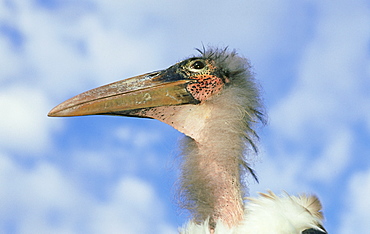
(238, 70)
(240, 102)
(240, 84)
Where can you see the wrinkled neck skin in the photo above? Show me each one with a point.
(212, 156)
(211, 172)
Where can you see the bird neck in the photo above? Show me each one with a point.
(213, 155)
(211, 166)
(210, 183)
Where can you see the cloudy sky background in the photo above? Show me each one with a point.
(109, 174)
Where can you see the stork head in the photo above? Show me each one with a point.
(170, 95)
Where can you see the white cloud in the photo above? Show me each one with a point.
(279, 174)
(139, 137)
(329, 81)
(328, 94)
(356, 215)
(334, 159)
(248, 25)
(24, 124)
(43, 199)
(133, 208)
(98, 163)
(144, 147)
(9, 68)
(64, 53)
(31, 195)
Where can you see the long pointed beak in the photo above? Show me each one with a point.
(162, 88)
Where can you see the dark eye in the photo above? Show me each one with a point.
(198, 65)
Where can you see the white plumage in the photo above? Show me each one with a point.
(271, 214)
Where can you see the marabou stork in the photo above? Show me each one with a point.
(214, 100)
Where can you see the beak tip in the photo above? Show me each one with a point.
(53, 114)
(60, 111)
(57, 112)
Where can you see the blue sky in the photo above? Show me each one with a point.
(109, 174)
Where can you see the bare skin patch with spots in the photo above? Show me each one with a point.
(205, 87)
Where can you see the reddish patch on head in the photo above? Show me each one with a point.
(205, 87)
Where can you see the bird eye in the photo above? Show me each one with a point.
(197, 65)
